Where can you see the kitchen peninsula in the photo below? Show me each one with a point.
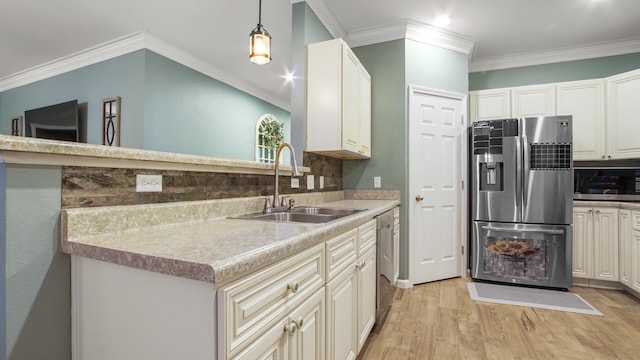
(148, 280)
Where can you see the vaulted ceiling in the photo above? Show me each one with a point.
(35, 34)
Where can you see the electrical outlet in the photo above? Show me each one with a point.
(148, 183)
(377, 182)
(295, 183)
(321, 186)
(310, 182)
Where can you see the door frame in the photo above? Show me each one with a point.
(463, 199)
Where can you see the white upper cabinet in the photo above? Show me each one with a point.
(584, 100)
(490, 104)
(604, 111)
(623, 109)
(338, 102)
(538, 100)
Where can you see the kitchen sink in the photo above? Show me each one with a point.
(303, 214)
(325, 211)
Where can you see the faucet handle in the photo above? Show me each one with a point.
(283, 201)
(292, 203)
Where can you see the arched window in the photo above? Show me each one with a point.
(269, 134)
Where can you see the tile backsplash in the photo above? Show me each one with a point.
(89, 186)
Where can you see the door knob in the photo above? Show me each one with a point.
(419, 198)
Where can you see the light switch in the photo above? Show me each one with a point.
(295, 183)
(310, 182)
(321, 186)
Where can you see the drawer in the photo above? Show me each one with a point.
(256, 302)
(341, 252)
(366, 236)
(635, 219)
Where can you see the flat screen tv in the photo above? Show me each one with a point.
(55, 122)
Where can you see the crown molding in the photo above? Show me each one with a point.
(125, 45)
(415, 31)
(326, 16)
(547, 57)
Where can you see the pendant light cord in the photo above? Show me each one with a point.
(259, 13)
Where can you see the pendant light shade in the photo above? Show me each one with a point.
(259, 42)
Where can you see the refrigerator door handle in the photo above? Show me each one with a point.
(525, 171)
(553, 232)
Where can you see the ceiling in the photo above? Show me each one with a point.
(36, 34)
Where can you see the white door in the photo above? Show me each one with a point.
(436, 159)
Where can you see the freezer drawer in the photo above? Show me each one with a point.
(528, 254)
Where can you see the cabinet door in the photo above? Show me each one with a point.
(635, 259)
(308, 341)
(341, 316)
(366, 276)
(625, 248)
(584, 101)
(539, 100)
(605, 261)
(364, 111)
(490, 104)
(350, 101)
(623, 108)
(582, 242)
(396, 245)
(272, 345)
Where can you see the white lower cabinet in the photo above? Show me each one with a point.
(318, 304)
(298, 336)
(351, 297)
(635, 251)
(341, 316)
(625, 247)
(366, 280)
(595, 243)
(260, 305)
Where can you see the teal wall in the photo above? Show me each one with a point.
(122, 76)
(556, 72)
(306, 29)
(394, 66)
(190, 113)
(165, 106)
(38, 275)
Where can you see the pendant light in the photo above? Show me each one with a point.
(260, 42)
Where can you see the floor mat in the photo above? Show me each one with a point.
(537, 298)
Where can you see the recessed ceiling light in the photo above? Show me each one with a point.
(442, 20)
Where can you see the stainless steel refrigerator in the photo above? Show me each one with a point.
(522, 194)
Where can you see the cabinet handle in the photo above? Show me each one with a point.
(609, 157)
(597, 211)
(603, 157)
(360, 264)
(290, 328)
(293, 287)
(300, 322)
(590, 211)
(419, 197)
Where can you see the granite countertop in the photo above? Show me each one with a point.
(214, 250)
(613, 204)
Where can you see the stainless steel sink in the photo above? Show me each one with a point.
(296, 217)
(326, 211)
(303, 214)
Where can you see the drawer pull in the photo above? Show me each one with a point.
(293, 287)
(290, 328)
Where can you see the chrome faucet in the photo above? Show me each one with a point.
(294, 172)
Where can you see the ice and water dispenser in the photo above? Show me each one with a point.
(488, 140)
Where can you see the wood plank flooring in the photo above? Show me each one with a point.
(440, 321)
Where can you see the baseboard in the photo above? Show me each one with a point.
(403, 284)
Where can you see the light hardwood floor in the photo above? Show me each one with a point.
(440, 321)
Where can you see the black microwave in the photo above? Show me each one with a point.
(615, 183)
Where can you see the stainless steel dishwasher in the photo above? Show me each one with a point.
(385, 267)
